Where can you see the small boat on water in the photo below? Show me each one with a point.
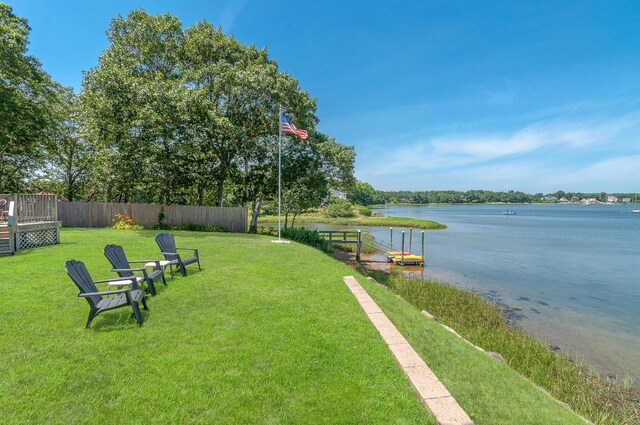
(509, 212)
(635, 209)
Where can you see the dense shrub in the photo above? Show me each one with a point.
(339, 208)
(363, 211)
(265, 230)
(308, 237)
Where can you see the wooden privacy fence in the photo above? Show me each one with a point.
(101, 214)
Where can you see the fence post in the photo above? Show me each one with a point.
(359, 245)
(390, 238)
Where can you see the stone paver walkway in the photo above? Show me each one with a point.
(433, 394)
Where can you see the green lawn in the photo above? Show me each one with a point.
(265, 333)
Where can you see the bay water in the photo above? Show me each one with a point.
(569, 273)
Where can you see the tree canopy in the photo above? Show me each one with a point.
(169, 115)
(27, 100)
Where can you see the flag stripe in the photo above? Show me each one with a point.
(288, 127)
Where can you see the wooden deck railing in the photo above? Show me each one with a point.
(30, 208)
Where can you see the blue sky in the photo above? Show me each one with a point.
(533, 96)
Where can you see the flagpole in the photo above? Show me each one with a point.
(279, 165)
(279, 240)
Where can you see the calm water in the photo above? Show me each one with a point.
(573, 271)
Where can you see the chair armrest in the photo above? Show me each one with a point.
(190, 249)
(145, 261)
(115, 279)
(128, 270)
(170, 253)
(92, 294)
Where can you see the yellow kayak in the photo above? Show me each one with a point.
(397, 253)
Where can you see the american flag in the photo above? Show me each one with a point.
(288, 127)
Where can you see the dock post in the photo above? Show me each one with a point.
(358, 245)
(410, 239)
(402, 250)
(422, 249)
(390, 238)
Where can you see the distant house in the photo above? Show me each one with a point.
(48, 192)
(626, 200)
(563, 199)
(589, 201)
(612, 199)
(549, 199)
(575, 199)
(337, 194)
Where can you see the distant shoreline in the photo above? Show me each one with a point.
(440, 204)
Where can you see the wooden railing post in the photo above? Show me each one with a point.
(12, 225)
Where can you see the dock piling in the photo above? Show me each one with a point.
(422, 248)
(402, 250)
(358, 245)
(410, 239)
(390, 238)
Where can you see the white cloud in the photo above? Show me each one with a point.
(617, 173)
(540, 157)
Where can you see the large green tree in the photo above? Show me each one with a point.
(192, 116)
(133, 102)
(69, 155)
(27, 98)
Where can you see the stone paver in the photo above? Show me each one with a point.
(432, 392)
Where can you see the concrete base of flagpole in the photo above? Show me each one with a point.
(280, 241)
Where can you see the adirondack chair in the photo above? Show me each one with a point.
(116, 256)
(87, 286)
(167, 245)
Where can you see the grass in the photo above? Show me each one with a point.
(478, 320)
(416, 223)
(265, 333)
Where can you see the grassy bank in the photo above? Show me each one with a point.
(416, 223)
(481, 322)
(265, 333)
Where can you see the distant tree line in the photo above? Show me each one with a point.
(364, 194)
(169, 115)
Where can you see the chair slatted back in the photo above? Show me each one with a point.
(116, 256)
(80, 276)
(167, 243)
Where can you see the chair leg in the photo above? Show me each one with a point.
(136, 312)
(93, 313)
(183, 269)
(144, 303)
(163, 279)
(152, 288)
(199, 268)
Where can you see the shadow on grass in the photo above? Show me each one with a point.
(112, 321)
